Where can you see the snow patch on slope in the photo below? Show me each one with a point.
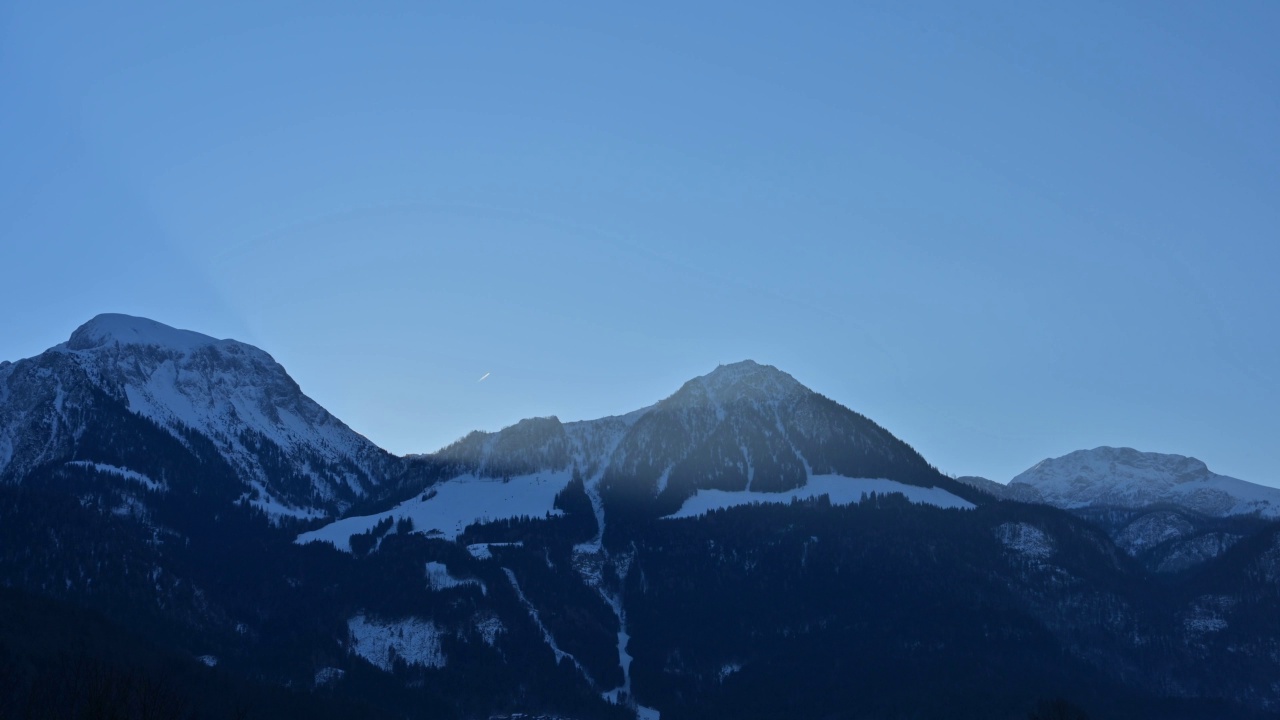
(439, 578)
(1208, 614)
(262, 499)
(456, 504)
(1026, 539)
(490, 627)
(328, 676)
(1151, 530)
(414, 640)
(728, 669)
(483, 551)
(125, 473)
(1196, 550)
(841, 491)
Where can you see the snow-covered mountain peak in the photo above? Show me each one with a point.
(741, 381)
(114, 328)
(1130, 478)
(292, 455)
(1115, 466)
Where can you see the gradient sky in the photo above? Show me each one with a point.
(1004, 231)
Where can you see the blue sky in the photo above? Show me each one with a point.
(1001, 230)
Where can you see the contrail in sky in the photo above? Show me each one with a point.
(482, 377)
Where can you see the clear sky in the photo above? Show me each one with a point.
(1005, 231)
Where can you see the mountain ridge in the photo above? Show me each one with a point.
(743, 427)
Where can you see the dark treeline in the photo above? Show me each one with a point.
(888, 609)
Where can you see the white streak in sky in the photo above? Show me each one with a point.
(482, 377)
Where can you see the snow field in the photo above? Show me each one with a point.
(414, 640)
(456, 504)
(841, 490)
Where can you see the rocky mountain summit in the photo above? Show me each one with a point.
(293, 458)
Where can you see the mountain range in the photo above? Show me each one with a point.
(744, 547)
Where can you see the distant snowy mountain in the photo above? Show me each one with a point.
(1168, 511)
(292, 456)
(1124, 477)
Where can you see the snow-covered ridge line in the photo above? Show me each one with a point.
(542, 443)
(129, 330)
